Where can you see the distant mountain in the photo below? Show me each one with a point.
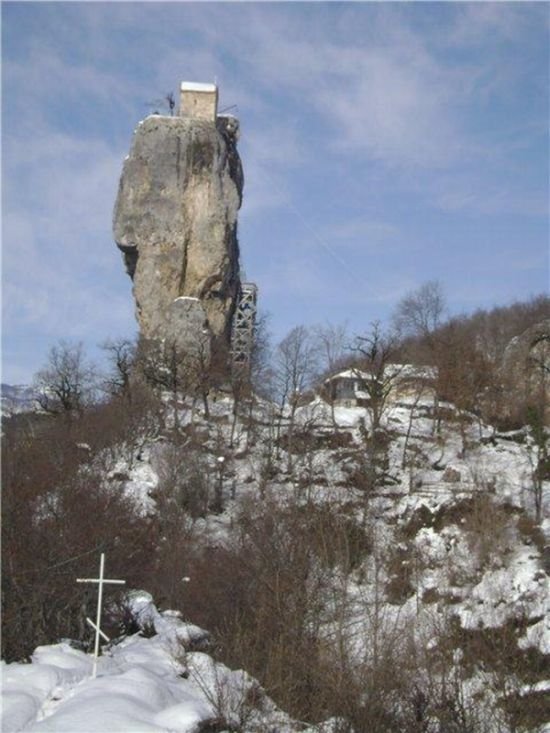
(17, 398)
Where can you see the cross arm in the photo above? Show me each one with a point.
(100, 580)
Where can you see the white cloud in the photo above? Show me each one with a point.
(366, 233)
(60, 264)
(388, 98)
(44, 80)
(69, 185)
(268, 158)
(482, 23)
(471, 194)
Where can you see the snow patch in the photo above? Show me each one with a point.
(193, 86)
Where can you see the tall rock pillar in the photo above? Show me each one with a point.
(175, 220)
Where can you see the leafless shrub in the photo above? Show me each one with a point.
(509, 672)
(233, 701)
(185, 481)
(530, 531)
(400, 571)
(59, 513)
(262, 600)
(488, 529)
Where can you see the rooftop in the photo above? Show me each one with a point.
(193, 86)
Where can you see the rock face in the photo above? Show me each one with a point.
(526, 365)
(175, 221)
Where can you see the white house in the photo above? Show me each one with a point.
(351, 386)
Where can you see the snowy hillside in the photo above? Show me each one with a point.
(429, 570)
(17, 398)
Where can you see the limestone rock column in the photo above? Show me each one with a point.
(175, 220)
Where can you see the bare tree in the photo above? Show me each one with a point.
(66, 385)
(186, 371)
(378, 377)
(418, 315)
(464, 375)
(261, 376)
(200, 368)
(295, 366)
(376, 351)
(121, 354)
(163, 367)
(539, 457)
(332, 347)
(419, 389)
(419, 312)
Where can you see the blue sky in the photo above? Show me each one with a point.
(384, 144)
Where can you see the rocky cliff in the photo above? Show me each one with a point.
(526, 366)
(175, 221)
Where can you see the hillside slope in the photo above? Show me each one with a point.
(391, 580)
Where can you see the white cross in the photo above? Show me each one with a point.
(101, 580)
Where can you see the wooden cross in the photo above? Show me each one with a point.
(101, 580)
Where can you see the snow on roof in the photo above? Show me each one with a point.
(405, 371)
(193, 86)
(349, 374)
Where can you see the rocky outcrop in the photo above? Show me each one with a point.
(175, 221)
(526, 364)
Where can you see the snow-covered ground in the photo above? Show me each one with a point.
(143, 684)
